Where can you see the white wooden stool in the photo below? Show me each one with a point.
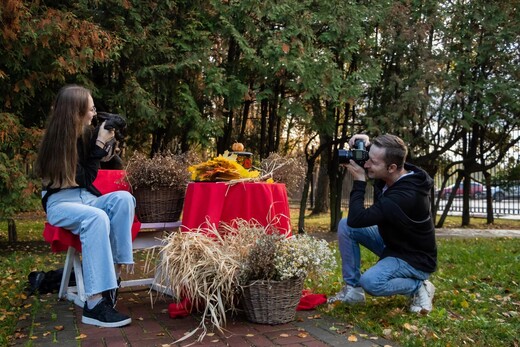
(151, 236)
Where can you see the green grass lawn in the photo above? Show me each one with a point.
(477, 300)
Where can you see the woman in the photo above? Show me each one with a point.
(68, 162)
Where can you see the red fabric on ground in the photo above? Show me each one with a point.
(179, 309)
(309, 300)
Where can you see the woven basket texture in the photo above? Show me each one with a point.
(162, 205)
(272, 302)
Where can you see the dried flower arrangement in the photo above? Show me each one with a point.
(211, 267)
(285, 169)
(276, 257)
(162, 170)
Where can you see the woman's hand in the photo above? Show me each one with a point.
(104, 135)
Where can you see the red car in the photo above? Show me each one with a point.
(476, 191)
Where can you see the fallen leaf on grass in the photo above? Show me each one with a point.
(410, 327)
(47, 333)
(59, 327)
(387, 332)
(33, 337)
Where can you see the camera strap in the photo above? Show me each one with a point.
(111, 148)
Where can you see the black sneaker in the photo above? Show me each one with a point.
(104, 315)
(111, 295)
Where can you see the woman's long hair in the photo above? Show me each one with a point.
(58, 154)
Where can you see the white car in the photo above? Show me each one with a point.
(501, 193)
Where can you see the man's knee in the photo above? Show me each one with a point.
(343, 228)
(372, 285)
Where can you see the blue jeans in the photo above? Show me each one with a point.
(390, 276)
(104, 227)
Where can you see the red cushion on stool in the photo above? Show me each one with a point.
(107, 181)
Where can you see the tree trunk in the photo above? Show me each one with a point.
(321, 198)
(11, 229)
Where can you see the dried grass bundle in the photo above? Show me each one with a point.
(205, 265)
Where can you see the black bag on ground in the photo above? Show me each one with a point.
(47, 282)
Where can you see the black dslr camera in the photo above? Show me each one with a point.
(113, 121)
(359, 154)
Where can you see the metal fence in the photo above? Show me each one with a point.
(505, 201)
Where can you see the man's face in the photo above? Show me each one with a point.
(375, 165)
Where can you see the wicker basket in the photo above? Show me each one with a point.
(162, 205)
(272, 302)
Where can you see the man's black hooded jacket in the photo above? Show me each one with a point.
(402, 214)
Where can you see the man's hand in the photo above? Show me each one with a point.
(357, 172)
(362, 137)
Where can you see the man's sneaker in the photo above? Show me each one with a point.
(111, 295)
(422, 299)
(349, 295)
(104, 315)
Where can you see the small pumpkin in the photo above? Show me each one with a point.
(237, 147)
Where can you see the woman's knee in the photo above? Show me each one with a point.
(96, 219)
(123, 200)
(125, 196)
(97, 215)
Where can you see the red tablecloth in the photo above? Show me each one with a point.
(217, 202)
(107, 181)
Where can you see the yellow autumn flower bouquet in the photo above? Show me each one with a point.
(222, 168)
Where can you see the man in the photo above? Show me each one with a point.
(398, 228)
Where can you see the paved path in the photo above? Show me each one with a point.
(460, 232)
(59, 323)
